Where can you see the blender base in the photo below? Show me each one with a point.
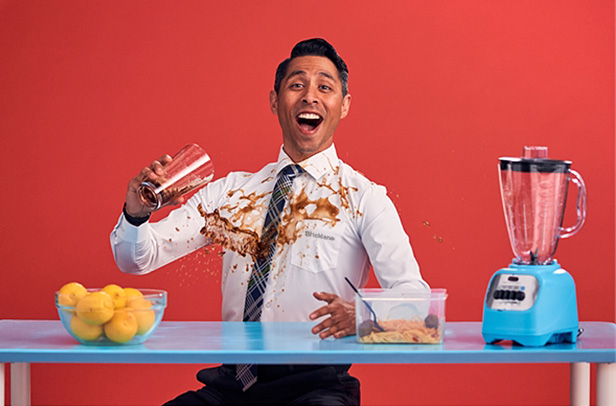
(531, 305)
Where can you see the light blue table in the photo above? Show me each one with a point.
(23, 342)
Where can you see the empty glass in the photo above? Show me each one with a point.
(189, 169)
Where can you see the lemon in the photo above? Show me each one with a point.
(96, 308)
(122, 327)
(69, 294)
(132, 293)
(85, 331)
(117, 294)
(142, 311)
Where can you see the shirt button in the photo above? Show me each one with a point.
(268, 305)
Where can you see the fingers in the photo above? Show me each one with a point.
(327, 297)
(155, 170)
(325, 329)
(322, 311)
(178, 200)
(158, 166)
(342, 316)
(165, 159)
(337, 326)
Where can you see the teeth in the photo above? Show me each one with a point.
(309, 116)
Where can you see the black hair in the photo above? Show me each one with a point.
(316, 47)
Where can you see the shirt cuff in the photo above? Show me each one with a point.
(136, 221)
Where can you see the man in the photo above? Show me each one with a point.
(334, 223)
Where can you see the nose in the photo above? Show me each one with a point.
(310, 96)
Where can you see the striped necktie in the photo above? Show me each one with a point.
(246, 374)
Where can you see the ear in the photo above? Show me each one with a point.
(346, 105)
(273, 99)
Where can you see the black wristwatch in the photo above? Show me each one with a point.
(136, 221)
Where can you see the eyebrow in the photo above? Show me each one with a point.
(300, 72)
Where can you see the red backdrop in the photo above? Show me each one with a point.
(91, 91)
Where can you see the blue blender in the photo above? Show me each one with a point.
(533, 302)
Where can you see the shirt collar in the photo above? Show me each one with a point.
(317, 165)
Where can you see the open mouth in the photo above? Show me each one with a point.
(309, 121)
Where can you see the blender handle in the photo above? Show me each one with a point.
(580, 206)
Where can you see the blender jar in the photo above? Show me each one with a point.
(534, 195)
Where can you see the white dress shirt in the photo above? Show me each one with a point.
(325, 247)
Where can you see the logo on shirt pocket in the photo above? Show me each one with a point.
(312, 234)
(317, 246)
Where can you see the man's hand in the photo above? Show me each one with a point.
(134, 206)
(341, 322)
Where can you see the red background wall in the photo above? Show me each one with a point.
(92, 91)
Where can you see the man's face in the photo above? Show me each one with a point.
(309, 106)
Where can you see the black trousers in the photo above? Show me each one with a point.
(276, 385)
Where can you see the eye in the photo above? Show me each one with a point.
(296, 86)
(325, 87)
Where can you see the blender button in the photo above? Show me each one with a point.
(520, 295)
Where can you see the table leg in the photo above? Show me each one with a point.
(606, 384)
(579, 388)
(20, 384)
(2, 380)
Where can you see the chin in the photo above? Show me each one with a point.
(305, 146)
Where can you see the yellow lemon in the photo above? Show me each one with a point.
(145, 316)
(117, 294)
(122, 326)
(85, 331)
(95, 308)
(132, 293)
(69, 294)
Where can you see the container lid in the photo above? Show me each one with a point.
(403, 293)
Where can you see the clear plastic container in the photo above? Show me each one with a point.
(400, 316)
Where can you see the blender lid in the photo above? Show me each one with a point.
(535, 159)
(534, 165)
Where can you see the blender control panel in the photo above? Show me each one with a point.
(510, 291)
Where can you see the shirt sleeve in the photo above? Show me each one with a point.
(145, 248)
(387, 244)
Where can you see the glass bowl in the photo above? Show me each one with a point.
(95, 324)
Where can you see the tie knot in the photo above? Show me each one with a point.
(291, 171)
